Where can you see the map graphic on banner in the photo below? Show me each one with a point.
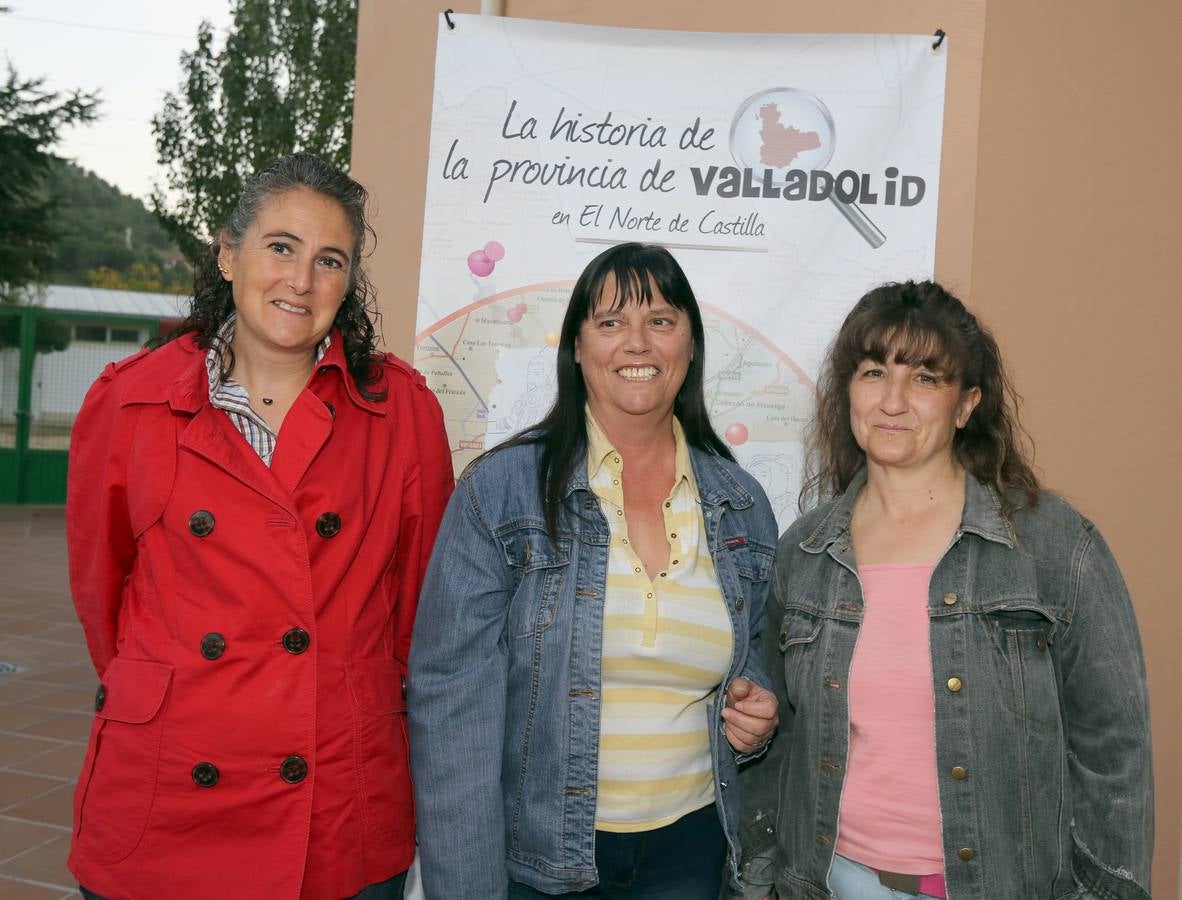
(551, 142)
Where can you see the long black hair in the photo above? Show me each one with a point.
(213, 296)
(637, 270)
(921, 323)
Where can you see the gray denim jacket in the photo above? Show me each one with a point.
(1041, 709)
(505, 672)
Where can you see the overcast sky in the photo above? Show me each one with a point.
(128, 50)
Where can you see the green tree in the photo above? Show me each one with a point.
(31, 120)
(106, 229)
(138, 277)
(283, 82)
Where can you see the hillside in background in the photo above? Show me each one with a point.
(111, 239)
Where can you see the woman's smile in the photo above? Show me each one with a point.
(291, 308)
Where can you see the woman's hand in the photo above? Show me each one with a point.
(750, 715)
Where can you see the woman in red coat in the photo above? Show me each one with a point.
(251, 508)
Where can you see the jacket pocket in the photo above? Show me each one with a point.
(1023, 634)
(381, 752)
(753, 561)
(798, 628)
(798, 642)
(115, 793)
(539, 569)
(378, 685)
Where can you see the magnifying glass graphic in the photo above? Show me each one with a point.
(783, 129)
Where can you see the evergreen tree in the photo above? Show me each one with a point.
(31, 120)
(283, 82)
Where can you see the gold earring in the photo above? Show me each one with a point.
(222, 269)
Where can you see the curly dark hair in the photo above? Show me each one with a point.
(920, 323)
(213, 297)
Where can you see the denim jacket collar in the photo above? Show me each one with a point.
(716, 485)
(982, 515)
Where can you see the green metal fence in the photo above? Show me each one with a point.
(48, 360)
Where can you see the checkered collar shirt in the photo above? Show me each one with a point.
(231, 397)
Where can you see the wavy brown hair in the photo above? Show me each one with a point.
(920, 323)
(213, 297)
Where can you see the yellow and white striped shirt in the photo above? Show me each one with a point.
(667, 645)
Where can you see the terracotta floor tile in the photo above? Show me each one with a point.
(68, 698)
(45, 864)
(58, 631)
(20, 890)
(15, 530)
(53, 808)
(16, 787)
(79, 674)
(71, 726)
(48, 524)
(17, 837)
(15, 689)
(17, 747)
(30, 651)
(15, 716)
(65, 761)
(57, 652)
(32, 626)
(27, 602)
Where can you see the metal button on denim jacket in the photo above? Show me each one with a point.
(1042, 722)
(505, 672)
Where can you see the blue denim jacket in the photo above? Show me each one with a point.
(505, 672)
(1042, 720)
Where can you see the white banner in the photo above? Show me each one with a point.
(787, 173)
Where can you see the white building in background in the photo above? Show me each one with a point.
(122, 321)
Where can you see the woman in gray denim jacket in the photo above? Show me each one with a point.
(507, 665)
(1039, 782)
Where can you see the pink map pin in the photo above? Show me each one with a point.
(736, 434)
(479, 263)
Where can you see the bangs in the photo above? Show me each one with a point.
(911, 344)
(622, 284)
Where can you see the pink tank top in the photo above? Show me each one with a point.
(890, 806)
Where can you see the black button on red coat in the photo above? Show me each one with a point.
(328, 524)
(100, 698)
(213, 645)
(205, 774)
(293, 770)
(296, 640)
(201, 523)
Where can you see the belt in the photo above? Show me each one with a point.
(928, 885)
(897, 881)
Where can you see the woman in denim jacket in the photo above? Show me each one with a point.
(962, 693)
(582, 677)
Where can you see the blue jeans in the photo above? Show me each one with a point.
(391, 889)
(850, 880)
(682, 861)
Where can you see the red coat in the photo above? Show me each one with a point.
(250, 628)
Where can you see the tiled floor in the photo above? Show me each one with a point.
(45, 708)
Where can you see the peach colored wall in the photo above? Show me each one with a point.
(1057, 221)
(1075, 264)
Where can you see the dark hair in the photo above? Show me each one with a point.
(920, 323)
(213, 297)
(636, 270)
